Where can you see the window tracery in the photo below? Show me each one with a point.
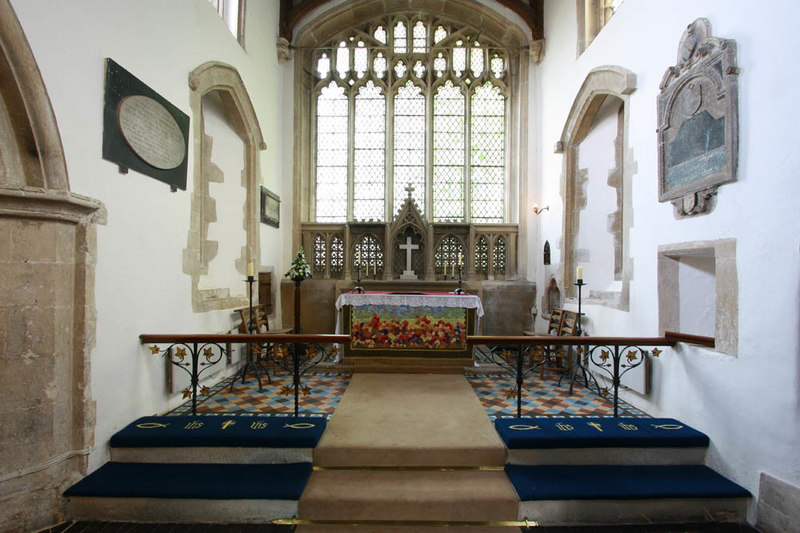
(410, 101)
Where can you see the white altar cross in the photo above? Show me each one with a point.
(408, 273)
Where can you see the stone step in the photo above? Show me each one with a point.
(150, 492)
(626, 494)
(592, 440)
(218, 439)
(416, 495)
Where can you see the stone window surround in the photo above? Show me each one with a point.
(726, 329)
(209, 77)
(322, 24)
(600, 83)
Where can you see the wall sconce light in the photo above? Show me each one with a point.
(538, 210)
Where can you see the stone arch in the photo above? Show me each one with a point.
(600, 84)
(225, 80)
(50, 245)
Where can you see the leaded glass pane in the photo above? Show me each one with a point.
(498, 66)
(400, 69)
(476, 61)
(439, 34)
(323, 66)
(319, 253)
(343, 59)
(409, 145)
(331, 192)
(487, 155)
(419, 69)
(380, 34)
(369, 153)
(439, 65)
(420, 35)
(499, 256)
(448, 154)
(337, 254)
(379, 65)
(459, 58)
(360, 61)
(400, 38)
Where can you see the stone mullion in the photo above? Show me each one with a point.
(351, 125)
(467, 212)
(388, 181)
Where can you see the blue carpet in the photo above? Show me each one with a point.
(619, 482)
(529, 433)
(195, 481)
(240, 431)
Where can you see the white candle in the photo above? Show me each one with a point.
(250, 270)
(453, 270)
(359, 257)
(459, 258)
(580, 272)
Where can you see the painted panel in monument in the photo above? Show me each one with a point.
(408, 325)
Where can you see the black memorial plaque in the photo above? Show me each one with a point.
(142, 131)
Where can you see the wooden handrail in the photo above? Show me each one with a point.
(324, 338)
(569, 340)
(691, 339)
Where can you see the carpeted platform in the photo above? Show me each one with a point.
(195, 481)
(620, 482)
(403, 420)
(205, 431)
(529, 433)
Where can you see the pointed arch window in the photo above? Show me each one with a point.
(417, 101)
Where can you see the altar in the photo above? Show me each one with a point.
(409, 324)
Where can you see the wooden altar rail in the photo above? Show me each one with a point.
(606, 353)
(206, 350)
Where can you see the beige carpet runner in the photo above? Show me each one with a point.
(408, 449)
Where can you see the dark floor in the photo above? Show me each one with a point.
(125, 527)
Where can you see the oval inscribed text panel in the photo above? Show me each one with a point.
(151, 132)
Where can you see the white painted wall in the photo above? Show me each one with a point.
(140, 284)
(748, 404)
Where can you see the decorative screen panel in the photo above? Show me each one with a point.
(332, 118)
(448, 154)
(482, 255)
(409, 145)
(487, 155)
(368, 158)
(337, 255)
(369, 250)
(447, 256)
(320, 253)
(499, 256)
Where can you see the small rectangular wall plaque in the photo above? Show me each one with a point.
(142, 131)
(270, 208)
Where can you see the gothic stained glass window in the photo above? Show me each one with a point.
(410, 101)
(368, 156)
(487, 155)
(332, 117)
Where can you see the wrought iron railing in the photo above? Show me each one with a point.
(614, 356)
(196, 353)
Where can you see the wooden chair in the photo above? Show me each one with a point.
(259, 355)
(557, 358)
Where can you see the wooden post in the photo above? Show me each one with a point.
(297, 283)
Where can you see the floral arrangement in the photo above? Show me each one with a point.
(300, 268)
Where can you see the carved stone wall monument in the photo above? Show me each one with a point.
(698, 121)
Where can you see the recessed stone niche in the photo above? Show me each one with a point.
(698, 291)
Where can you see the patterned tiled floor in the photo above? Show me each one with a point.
(321, 394)
(543, 397)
